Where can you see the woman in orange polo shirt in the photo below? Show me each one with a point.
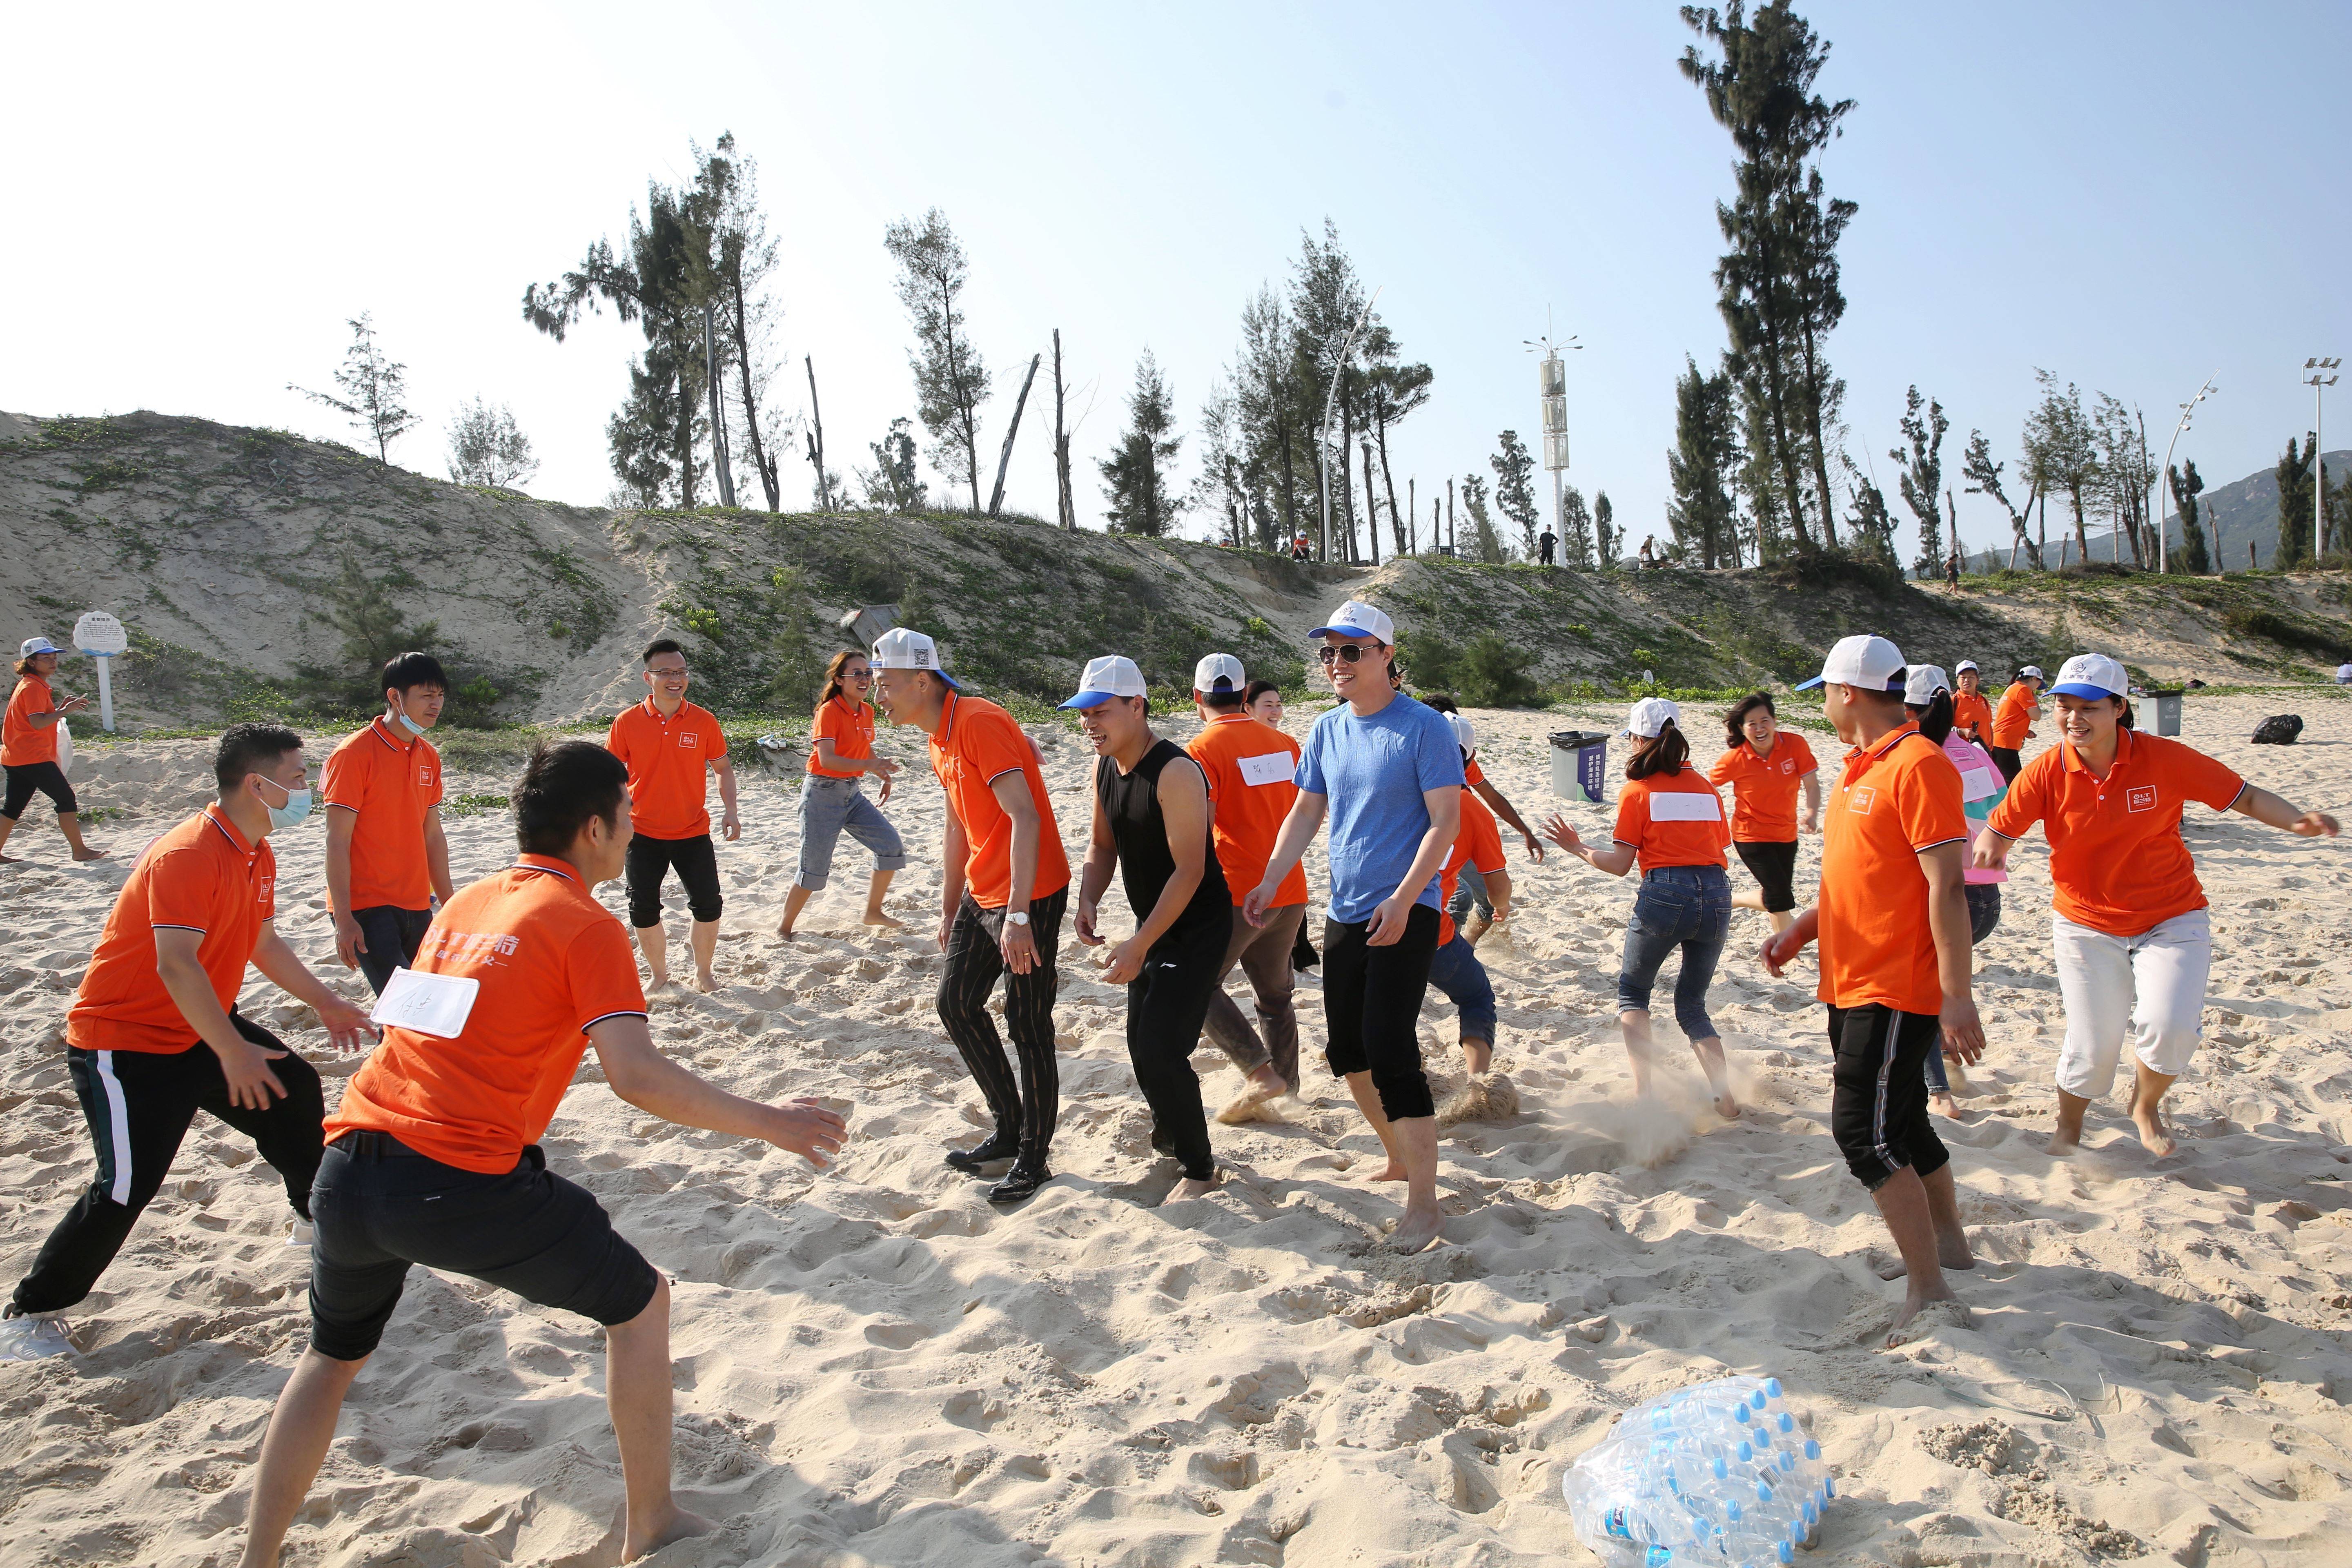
(1670, 820)
(28, 748)
(2013, 721)
(832, 796)
(1765, 770)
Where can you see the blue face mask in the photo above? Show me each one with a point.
(413, 727)
(294, 813)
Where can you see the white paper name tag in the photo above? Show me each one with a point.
(1274, 767)
(1684, 806)
(437, 1004)
(1978, 783)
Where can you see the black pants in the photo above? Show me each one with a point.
(695, 860)
(1166, 1006)
(393, 936)
(1878, 1111)
(2006, 758)
(139, 1105)
(1774, 867)
(27, 779)
(1029, 1106)
(1371, 1008)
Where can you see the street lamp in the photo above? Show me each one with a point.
(2317, 379)
(2189, 408)
(1555, 420)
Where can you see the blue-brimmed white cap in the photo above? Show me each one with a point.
(1112, 675)
(1218, 672)
(1648, 717)
(1871, 663)
(32, 645)
(902, 647)
(2091, 675)
(1925, 680)
(1357, 619)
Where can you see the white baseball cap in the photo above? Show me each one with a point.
(903, 648)
(1463, 735)
(1112, 675)
(2032, 670)
(1964, 666)
(1925, 681)
(2091, 675)
(32, 645)
(1357, 619)
(1218, 672)
(1649, 718)
(1872, 663)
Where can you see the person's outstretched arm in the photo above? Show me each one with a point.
(2275, 811)
(1298, 831)
(652, 1082)
(1510, 814)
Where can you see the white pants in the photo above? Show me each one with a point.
(2152, 983)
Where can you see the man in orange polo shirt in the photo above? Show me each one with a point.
(1004, 884)
(152, 1036)
(667, 744)
(432, 1157)
(2013, 721)
(1892, 919)
(387, 860)
(2133, 941)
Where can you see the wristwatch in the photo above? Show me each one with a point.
(1017, 918)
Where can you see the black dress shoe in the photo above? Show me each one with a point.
(1020, 1181)
(1001, 1146)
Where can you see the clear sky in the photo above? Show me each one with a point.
(2134, 195)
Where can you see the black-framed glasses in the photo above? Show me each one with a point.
(1346, 652)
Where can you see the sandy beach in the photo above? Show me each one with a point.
(876, 1367)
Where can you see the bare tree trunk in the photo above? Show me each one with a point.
(2082, 529)
(1451, 547)
(1004, 461)
(764, 462)
(1783, 452)
(1436, 524)
(1068, 515)
(816, 440)
(1276, 404)
(718, 413)
(1371, 501)
(1397, 519)
(1346, 496)
(680, 350)
(1412, 519)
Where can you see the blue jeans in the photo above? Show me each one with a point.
(830, 807)
(1470, 890)
(1458, 971)
(1685, 907)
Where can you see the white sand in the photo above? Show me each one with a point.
(874, 1366)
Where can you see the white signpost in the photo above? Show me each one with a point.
(101, 636)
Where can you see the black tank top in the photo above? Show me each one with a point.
(1132, 803)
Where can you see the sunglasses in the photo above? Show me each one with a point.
(1345, 653)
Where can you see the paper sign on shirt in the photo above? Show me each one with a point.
(1978, 783)
(435, 1005)
(1274, 767)
(1666, 805)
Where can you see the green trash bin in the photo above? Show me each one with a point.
(1579, 765)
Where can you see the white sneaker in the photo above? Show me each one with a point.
(300, 1235)
(33, 1338)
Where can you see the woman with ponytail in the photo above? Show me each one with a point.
(1765, 767)
(1927, 697)
(1670, 820)
(833, 799)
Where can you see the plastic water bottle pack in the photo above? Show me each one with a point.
(1722, 1473)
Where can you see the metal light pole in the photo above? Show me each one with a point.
(1323, 436)
(1554, 377)
(2162, 474)
(2318, 380)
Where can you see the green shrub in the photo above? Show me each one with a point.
(1492, 673)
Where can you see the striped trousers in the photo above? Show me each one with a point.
(1027, 1105)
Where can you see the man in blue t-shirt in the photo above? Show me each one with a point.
(1387, 774)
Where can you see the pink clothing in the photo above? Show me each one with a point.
(1980, 784)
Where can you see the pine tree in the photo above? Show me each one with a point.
(1514, 495)
(1136, 474)
(741, 257)
(951, 381)
(1576, 529)
(893, 483)
(2062, 451)
(487, 448)
(1485, 545)
(1984, 479)
(1919, 476)
(2293, 475)
(2186, 487)
(1607, 537)
(374, 387)
(1702, 464)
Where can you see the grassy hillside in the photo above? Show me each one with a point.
(260, 571)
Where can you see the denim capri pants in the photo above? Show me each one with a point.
(1687, 907)
(830, 807)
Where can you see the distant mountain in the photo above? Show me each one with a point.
(2246, 511)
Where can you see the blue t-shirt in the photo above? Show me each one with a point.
(1373, 772)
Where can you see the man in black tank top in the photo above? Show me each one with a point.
(1152, 821)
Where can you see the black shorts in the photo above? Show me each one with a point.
(695, 861)
(2005, 758)
(393, 936)
(1371, 1008)
(27, 779)
(380, 1206)
(1878, 1111)
(1774, 867)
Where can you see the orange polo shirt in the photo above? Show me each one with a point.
(2116, 860)
(978, 743)
(2013, 724)
(549, 961)
(1764, 789)
(1970, 708)
(1478, 842)
(668, 759)
(1472, 774)
(850, 727)
(1672, 819)
(23, 743)
(389, 783)
(1250, 768)
(202, 875)
(1891, 802)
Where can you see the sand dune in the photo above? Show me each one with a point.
(876, 1367)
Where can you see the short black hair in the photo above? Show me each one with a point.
(660, 644)
(249, 749)
(407, 671)
(565, 783)
(1220, 697)
(1441, 700)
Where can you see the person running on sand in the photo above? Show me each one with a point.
(1670, 821)
(668, 744)
(1263, 703)
(1004, 884)
(434, 1156)
(1765, 767)
(1893, 920)
(153, 1035)
(1455, 969)
(1249, 766)
(1471, 889)
(1151, 825)
(387, 860)
(1927, 697)
(1387, 774)
(2012, 723)
(2129, 931)
(833, 797)
(1971, 709)
(29, 749)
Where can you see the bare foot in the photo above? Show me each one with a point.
(1391, 1172)
(1417, 1229)
(1952, 1251)
(680, 1525)
(656, 981)
(2066, 1141)
(1726, 1107)
(1189, 1188)
(1262, 1085)
(89, 854)
(1923, 1315)
(784, 930)
(11, 859)
(2152, 1135)
(889, 922)
(703, 983)
(1942, 1103)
